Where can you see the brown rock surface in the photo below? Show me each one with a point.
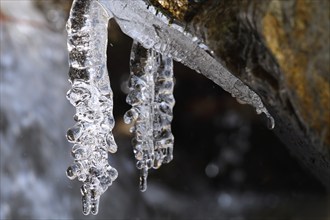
(281, 50)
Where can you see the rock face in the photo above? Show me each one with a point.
(281, 50)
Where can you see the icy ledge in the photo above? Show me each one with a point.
(141, 22)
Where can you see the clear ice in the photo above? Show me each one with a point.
(91, 94)
(151, 97)
(156, 43)
(142, 22)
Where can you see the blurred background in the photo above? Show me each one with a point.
(227, 164)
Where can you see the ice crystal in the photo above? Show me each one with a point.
(151, 96)
(92, 96)
(143, 23)
(156, 43)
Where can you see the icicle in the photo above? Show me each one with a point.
(244, 95)
(151, 97)
(92, 96)
(140, 21)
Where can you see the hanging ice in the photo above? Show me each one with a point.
(151, 89)
(151, 97)
(92, 96)
(141, 22)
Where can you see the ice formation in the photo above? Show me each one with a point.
(142, 22)
(156, 43)
(92, 96)
(151, 96)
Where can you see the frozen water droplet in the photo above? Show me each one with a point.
(165, 108)
(82, 177)
(76, 147)
(140, 164)
(72, 171)
(138, 155)
(111, 144)
(130, 115)
(80, 154)
(169, 155)
(74, 133)
(244, 95)
(78, 94)
(134, 98)
(270, 122)
(105, 105)
(113, 174)
(105, 182)
(157, 164)
(70, 174)
(143, 179)
(259, 111)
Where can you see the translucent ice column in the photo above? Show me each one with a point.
(151, 97)
(91, 94)
(142, 22)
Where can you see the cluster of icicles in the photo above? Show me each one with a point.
(151, 96)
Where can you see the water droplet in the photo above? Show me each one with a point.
(105, 182)
(138, 155)
(111, 144)
(79, 154)
(157, 163)
(77, 95)
(113, 174)
(130, 115)
(140, 164)
(72, 171)
(74, 133)
(82, 177)
(134, 98)
(76, 147)
(165, 108)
